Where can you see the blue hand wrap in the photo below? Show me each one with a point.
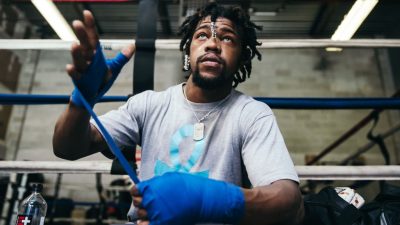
(110, 142)
(184, 199)
(91, 82)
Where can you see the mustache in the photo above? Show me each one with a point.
(210, 57)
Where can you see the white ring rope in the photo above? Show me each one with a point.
(173, 44)
(305, 172)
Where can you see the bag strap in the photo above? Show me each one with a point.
(379, 140)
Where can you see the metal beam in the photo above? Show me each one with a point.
(305, 172)
(164, 18)
(173, 44)
(322, 18)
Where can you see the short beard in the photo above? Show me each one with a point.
(210, 83)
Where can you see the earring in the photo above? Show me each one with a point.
(186, 63)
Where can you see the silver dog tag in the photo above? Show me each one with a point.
(198, 131)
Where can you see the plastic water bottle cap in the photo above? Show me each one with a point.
(37, 187)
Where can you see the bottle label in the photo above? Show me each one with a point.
(24, 220)
(41, 220)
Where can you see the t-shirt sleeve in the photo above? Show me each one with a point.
(124, 124)
(264, 151)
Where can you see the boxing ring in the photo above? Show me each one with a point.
(378, 104)
(306, 172)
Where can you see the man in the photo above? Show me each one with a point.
(199, 138)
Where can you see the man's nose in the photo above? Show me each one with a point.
(213, 44)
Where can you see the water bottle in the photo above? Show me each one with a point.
(32, 210)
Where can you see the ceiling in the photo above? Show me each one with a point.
(284, 19)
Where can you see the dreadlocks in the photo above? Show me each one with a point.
(240, 19)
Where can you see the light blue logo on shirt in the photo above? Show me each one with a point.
(184, 132)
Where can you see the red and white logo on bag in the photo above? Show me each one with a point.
(24, 220)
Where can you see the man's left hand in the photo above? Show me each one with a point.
(181, 198)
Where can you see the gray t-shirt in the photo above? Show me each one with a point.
(238, 131)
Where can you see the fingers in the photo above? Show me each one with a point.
(72, 72)
(135, 192)
(79, 58)
(90, 28)
(83, 37)
(129, 50)
(142, 213)
(83, 52)
(136, 198)
(137, 202)
(143, 222)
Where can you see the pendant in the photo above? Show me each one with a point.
(198, 131)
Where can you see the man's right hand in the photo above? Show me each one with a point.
(74, 137)
(92, 74)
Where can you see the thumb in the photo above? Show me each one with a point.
(115, 64)
(129, 50)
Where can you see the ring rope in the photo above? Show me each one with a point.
(173, 44)
(278, 103)
(305, 172)
(41, 99)
(331, 103)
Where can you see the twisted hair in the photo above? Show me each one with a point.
(241, 20)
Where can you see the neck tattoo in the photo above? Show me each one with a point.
(198, 129)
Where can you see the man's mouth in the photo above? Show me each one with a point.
(211, 60)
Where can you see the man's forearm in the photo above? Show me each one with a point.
(278, 203)
(73, 135)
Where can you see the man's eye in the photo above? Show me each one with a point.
(202, 36)
(227, 39)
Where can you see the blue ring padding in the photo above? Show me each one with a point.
(331, 103)
(34, 99)
(277, 103)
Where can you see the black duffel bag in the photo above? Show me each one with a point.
(328, 208)
(384, 209)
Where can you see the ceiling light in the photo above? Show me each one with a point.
(265, 13)
(333, 49)
(253, 12)
(354, 18)
(53, 16)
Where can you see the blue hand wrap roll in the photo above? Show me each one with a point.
(91, 82)
(183, 199)
(110, 142)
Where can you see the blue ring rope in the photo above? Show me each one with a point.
(41, 99)
(331, 103)
(277, 103)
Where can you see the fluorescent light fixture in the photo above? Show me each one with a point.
(333, 49)
(50, 12)
(265, 13)
(253, 12)
(354, 18)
